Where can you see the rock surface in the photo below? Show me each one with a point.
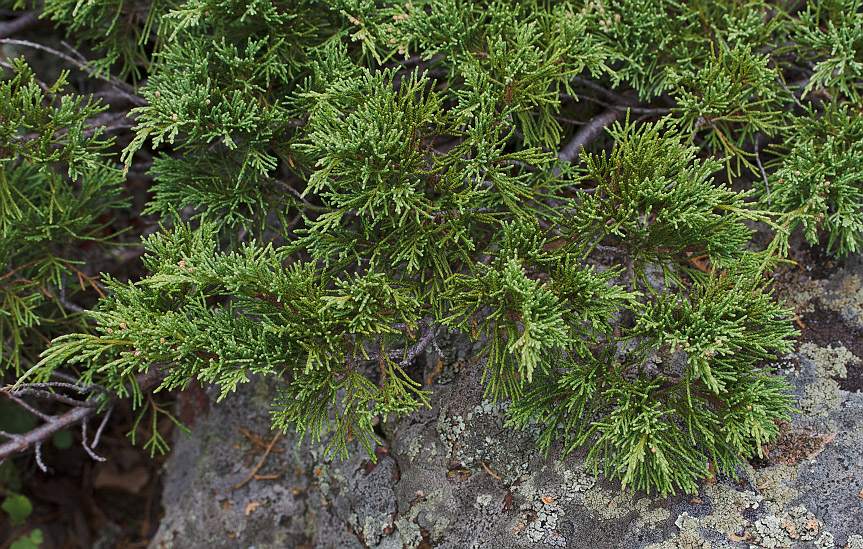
(454, 477)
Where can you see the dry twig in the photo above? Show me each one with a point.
(258, 466)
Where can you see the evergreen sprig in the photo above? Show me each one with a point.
(818, 181)
(55, 188)
(122, 29)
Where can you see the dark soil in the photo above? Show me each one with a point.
(828, 328)
(82, 503)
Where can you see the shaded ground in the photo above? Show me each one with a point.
(85, 503)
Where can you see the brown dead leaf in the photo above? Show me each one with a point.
(108, 475)
(710, 480)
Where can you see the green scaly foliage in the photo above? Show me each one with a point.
(55, 187)
(362, 174)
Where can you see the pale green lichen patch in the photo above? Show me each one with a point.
(649, 516)
(414, 447)
(727, 506)
(543, 501)
(409, 532)
(429, 504)
(688, 537)
(478, 440)
(847, 298)
(820, 397)
(374, 529)
(779, 528)
(546, 502)
(439, 528)
(773, 484)
(855, 542)
(483, 500)
(541, 510)
(799, 296)
(797, 524)
(826, 541)
(829, 361)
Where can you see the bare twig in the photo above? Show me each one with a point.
(258, 466)
(273, 476)
(58, 385)
(647, 111)
(435, 347)
(457, 213)
(123, 88)
(73, 51)
(411, 352)
(21, 24)
(68, 305)
(760, 167)
(284, 185)
(78, 415)
(47, 395)
(403, 326)
(39, 461)
(37, 436)
(101, 427)
(87, 448)
(258, 441)
(587, 134)
(419, 346)
(294, 221)
(71, 380)
(487, 470)
(587, 83)
(41, 415)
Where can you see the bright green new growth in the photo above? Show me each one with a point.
(362, 175)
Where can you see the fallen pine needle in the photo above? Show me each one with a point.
(489, 471)
(257, 440)
(272, 477)
(260, 462)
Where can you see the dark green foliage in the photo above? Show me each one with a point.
(54, 186)
(730, 100)
(361, 175)
(120, 28)
(831, 35)
(679, 373)
(819, 182)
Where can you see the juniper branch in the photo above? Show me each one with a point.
(52, 426)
